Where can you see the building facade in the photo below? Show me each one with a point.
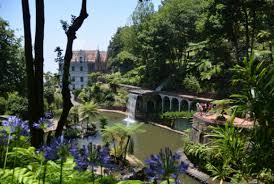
(83, 63)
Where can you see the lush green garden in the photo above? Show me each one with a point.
(103, 90)
(62, 160)
(221, 49)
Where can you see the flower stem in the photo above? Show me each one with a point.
(92, 172)
(6, 156)
(61, 171)
(45, 171)
(101, 173)
(39, 178)
(14, 162)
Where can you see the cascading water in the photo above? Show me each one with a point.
(131, 107)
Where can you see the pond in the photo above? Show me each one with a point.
(146, 143)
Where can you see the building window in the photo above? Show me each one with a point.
(81, 59)
(82, 86)
(73, 79)
(72, 68)
(82, 79)
(81, 68)
(73, 86)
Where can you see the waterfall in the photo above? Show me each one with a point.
(131, 107)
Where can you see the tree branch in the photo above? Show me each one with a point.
(71, 35)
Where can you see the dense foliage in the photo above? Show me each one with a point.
(191, 45)
(103, 89)
(176, 115)
(240, 155)
(12, 76)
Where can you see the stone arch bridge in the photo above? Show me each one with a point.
(150, 101)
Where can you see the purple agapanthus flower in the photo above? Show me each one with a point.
(91, 155)
(57, 149)
(80, 157)
(49, 115)
(16, 125)
(43, 123)
(164, 166)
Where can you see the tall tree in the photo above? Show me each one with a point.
(71, 35)
(34, 67)
(12, 76)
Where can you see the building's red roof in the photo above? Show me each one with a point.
(88, 55)
(211, 119)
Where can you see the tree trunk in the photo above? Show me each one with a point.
(126, 146)
(270, 49)
(246, 25)
(235, 44)
(39, 64)
(33, 104)
(253, 29)
(39, 59)
(71, 35)
(115, 149)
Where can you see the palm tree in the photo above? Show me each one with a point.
(58, 101)
(103, 123)
(88, 111)
(74, 114)
(120, 135)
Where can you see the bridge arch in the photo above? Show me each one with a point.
(158, 103)
(166, 104)
(184, 105)
(150, 106)
(139, 104)
(174, 104)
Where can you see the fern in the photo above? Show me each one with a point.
(21, 175)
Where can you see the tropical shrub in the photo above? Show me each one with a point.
(197, 153)
(105, 95)
(225, 156)
(191, 84)
(76, 92)
(255, 99)
(170, 117)
(119, 135)
(16, 105)
(103, 122)
(2, 105)
(134, 76)
(176, 115)
(95, 77)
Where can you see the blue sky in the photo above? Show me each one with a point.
(105, 16)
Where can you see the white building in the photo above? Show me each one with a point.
(83, 63)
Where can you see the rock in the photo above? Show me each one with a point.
(138, 175)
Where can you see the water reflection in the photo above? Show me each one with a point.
(146, 143)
